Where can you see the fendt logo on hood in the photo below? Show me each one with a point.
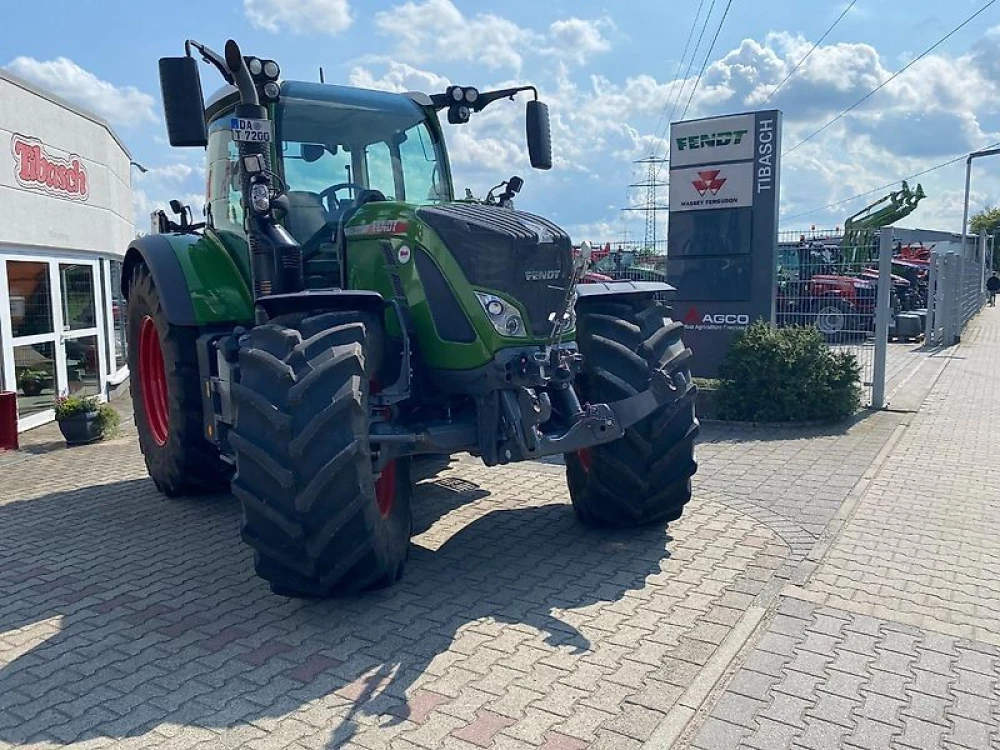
(709, 182)
(35, 169)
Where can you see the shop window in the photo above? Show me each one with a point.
(35, 377)
(83, 374)
(30, 298)
(117, 338)
(78, 301)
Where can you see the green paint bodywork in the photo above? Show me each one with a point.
(367, 270)
(216, 268)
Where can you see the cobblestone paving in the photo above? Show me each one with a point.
(128, 616)
(133, 621)
(892, 641)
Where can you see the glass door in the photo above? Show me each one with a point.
(81, 356)
(32, 366)
(56, 338)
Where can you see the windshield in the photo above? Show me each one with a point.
(330, 150)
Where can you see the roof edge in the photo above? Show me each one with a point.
(16, 80)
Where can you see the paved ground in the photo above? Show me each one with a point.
(127, 620)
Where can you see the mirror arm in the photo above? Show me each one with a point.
(442, 101)
(211, 57)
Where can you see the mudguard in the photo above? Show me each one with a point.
(196, 276)
(615, 288)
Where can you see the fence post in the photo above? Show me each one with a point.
(932, 281)
(882, 317)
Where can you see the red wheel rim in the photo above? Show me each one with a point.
(153, 381)
(586, 458)
(385, 489)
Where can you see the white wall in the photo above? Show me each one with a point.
(30, 218)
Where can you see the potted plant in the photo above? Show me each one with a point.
(84, 419)
(32, 382)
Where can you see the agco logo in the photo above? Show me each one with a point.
(697, 321)
(709, 182)
(35, 169)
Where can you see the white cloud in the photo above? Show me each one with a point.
(170, 172)
(299, 16)
(398, 77)
(437, 30)
(120, 105)
(578, 39)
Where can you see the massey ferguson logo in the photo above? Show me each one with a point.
(715, 321)
(34, 169)
(709, 182)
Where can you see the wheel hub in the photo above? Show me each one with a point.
(153, 381)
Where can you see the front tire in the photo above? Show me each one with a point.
(166, 397)
(644, 477)
(317, 518)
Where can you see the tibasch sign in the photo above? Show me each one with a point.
(37, 169)
(723, 228)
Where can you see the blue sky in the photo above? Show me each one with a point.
(606, 68)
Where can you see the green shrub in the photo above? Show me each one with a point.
(787, 375)
(70, 406)
(107, 417)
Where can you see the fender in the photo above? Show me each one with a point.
(613, 288)
(198, 281)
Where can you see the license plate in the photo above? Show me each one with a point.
(251, 130)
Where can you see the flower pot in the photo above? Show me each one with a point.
(81, 429)
(31, 387)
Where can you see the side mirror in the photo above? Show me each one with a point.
(514, 184)
(176, 207)
(538, 134)
(183, 104)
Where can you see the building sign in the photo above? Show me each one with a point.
(711, 186)
(716, 140)
(35, 168)
(723, 228)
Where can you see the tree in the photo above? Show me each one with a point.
(988, 219)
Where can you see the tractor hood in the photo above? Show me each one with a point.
(517, 254)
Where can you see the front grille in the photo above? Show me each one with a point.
(517, 253)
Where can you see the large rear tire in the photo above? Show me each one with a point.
(166, 397)
(317, 518)
(645, 477)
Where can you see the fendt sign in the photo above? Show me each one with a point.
(723, 228)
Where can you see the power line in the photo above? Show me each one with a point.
(697, 46)
(886, 186)
(677, 74)
(704, 63)
(806, 57)
(895, 75)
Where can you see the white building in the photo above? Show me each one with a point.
(65, 223)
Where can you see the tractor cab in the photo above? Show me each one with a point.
(335, 149)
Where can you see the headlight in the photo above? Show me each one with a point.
(504, 317)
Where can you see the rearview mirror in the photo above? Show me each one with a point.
(538, 134)
(183, 104)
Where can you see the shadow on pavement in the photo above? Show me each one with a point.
(161, 619)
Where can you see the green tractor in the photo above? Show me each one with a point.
(339, 316)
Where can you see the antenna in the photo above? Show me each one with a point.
(321, 74)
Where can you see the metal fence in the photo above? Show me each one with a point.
(820, 284)
(956, 288)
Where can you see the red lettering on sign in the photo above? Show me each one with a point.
(35, 169)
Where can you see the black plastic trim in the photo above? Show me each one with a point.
(450, 319)
(313, 300)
